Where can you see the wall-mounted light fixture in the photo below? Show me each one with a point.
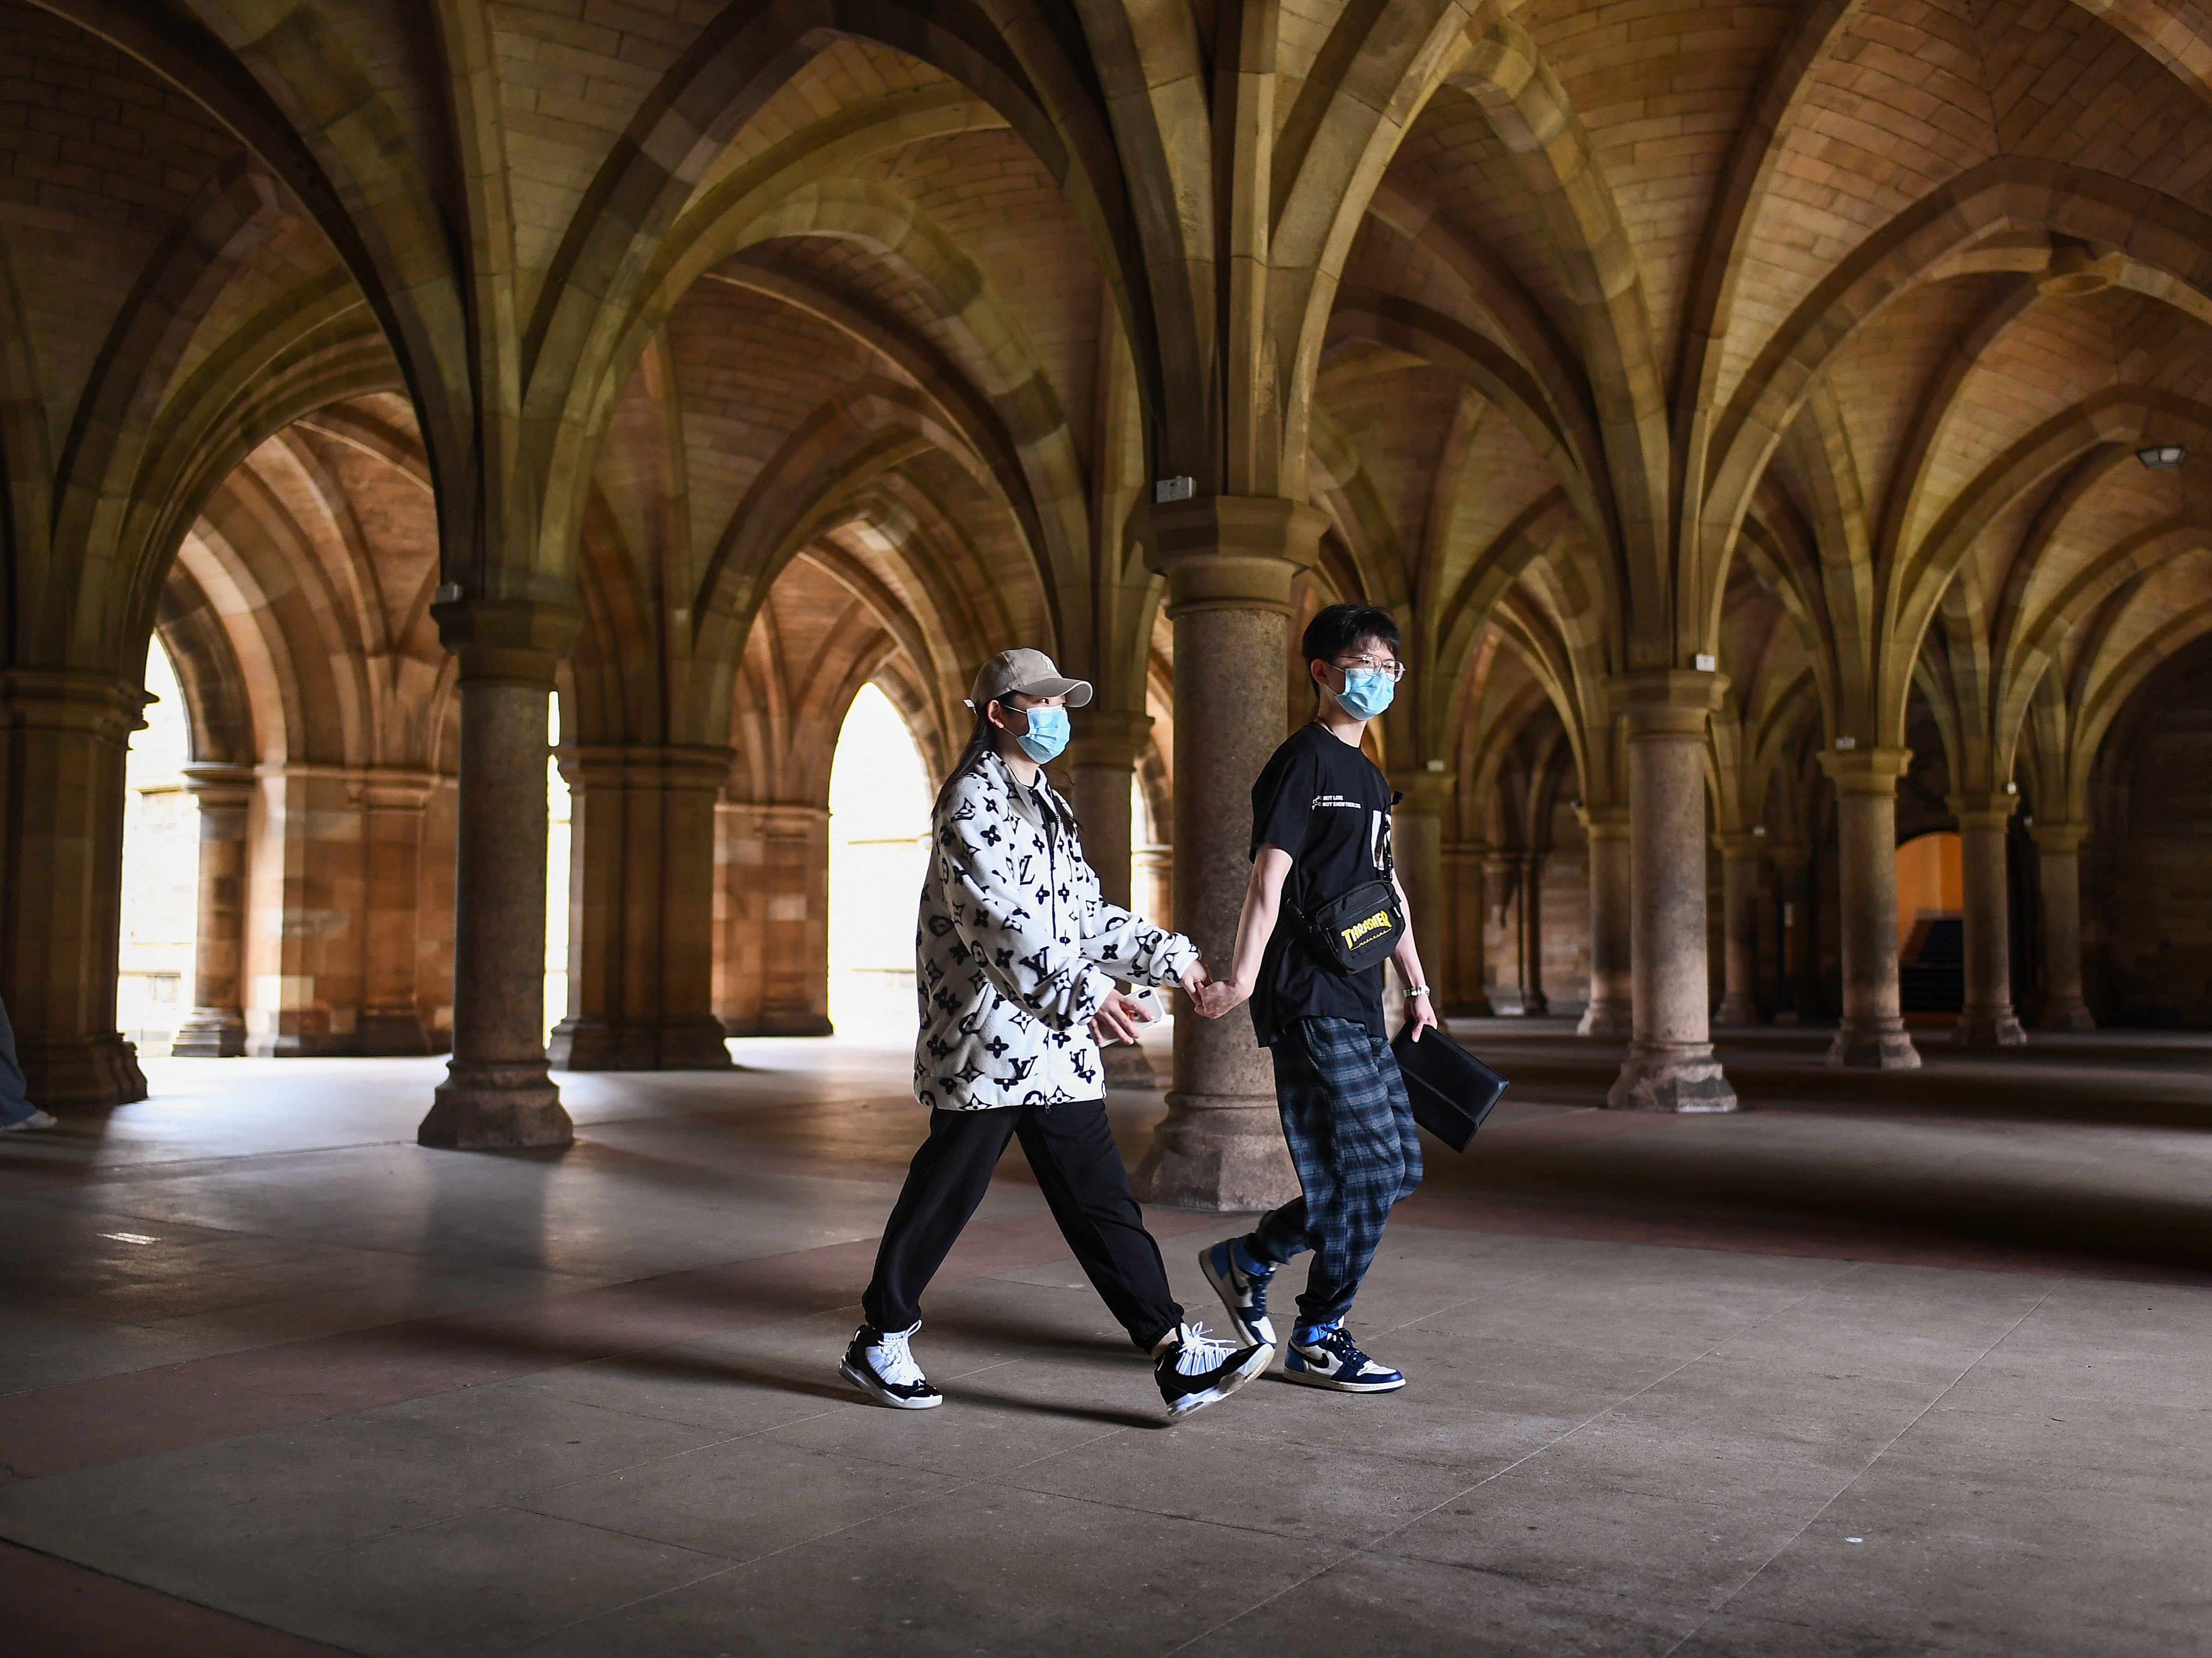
(1175, 488)
(1704, 664)
(2158, 457)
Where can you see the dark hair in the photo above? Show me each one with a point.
(980, 742)
(1338, 629)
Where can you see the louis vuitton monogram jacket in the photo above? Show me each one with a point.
(1016, 951)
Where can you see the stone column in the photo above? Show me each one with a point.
(1740, 868)
(1102, 763)
(774, 916)
(1793, 865)
(1465, 996)
(1417, 839)
(63, 735)
(641, 910)
(1501, 896)
(1872, 1034)
(1612, 1006)
(1530, 933)
(1987, 1019)
(1670, 1065)
(497, 1091)
(391, 802)
(2059, 847)
(216, 1027)
(1229, 561)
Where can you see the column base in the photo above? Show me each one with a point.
(697, 1043)
(391, 1033)
(1736, 1008)
(1683, 1079)
(1989, 1028)
(1607, 1018)
(1127, 1066)
(2070, 1015)
(209, 1033)
(68, 1071)
(1882, 1047)
(480, 1108)
(1220, 1152)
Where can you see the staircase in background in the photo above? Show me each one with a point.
(1931, 972)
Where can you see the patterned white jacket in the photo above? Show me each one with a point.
(1016, 951)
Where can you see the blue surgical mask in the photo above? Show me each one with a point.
(1366, 692)
(1047, 735)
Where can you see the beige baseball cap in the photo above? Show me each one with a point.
(1029, 671)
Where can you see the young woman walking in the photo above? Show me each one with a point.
(1016, 960)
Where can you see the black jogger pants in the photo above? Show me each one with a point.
(1072, 1153)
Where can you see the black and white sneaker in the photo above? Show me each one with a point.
(1195, 1371)
(1243, 1290)
(1328, 1357)
(879, 1363)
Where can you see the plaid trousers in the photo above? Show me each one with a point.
(1352, 1138)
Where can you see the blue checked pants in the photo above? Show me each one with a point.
(1352, 1138)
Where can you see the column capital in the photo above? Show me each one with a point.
(644, 766)
(217, 784)
(1792, 857)
(1665, 704)
(100, 705)
(513, 641)
(1603, 822)
(1425, 791)
(1109, 739)
(1231, 552)
(1865, 771)
(2062, 839)
(1981, 808)
(1741, 846)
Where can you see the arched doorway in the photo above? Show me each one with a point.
(153, 988)
(879, 800)
(1931, 928)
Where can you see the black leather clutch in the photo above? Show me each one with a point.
(1450, 1090)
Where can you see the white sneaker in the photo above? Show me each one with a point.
(879, 1363)
(31, 1125)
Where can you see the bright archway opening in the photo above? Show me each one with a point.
(557, 841)
(161, 869)
(879, 801)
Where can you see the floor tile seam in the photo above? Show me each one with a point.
(741, 1566)
(1150, 1514)
(2024, 1266)
(1377, 1543)
(1836, 1496)
(181, 1599)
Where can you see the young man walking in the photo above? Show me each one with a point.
(1320, 827)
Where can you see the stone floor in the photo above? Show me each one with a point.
(1887, 1364)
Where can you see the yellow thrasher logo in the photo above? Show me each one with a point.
(1378, 922)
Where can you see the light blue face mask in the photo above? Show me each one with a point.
(1366, 692)
(1047, 735)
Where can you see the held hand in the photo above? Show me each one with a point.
(1117, 1019)
(1420, 1016)
(1220, 996)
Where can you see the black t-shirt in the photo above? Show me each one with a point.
(1328, 805)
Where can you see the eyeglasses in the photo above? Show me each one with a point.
(1395, 670)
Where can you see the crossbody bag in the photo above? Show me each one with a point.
(1357, 930)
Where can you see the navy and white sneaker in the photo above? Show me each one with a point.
(1195, 1370)
(1327, 1357)
(1243, 1290)
(878, 1362)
